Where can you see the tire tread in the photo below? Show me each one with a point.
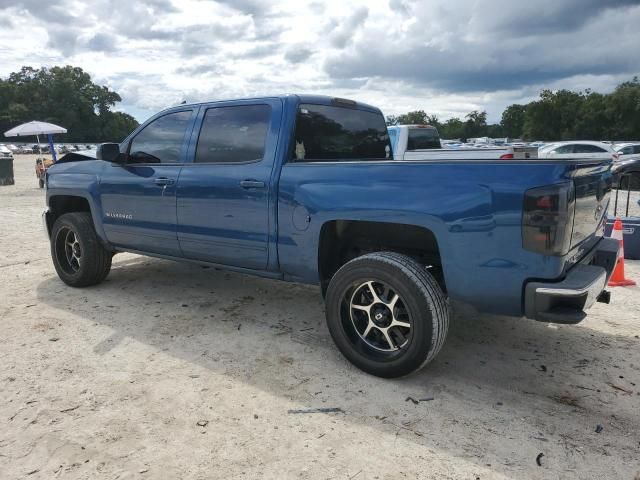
(428, 287)
(100, 265)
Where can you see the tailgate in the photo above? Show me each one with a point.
(525, 153)
(592, 182)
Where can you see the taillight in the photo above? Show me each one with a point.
(506, 156)
(547, 219)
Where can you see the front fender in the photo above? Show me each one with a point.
(62, 180)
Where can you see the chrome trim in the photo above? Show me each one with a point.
(592, 290)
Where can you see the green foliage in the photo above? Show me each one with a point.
(513, 120)
(418, 117)
(67, 97)
(565, 115)
(452, 128)
(556, 115)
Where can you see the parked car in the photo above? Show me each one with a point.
(628, 150)
(304, 189)
(5, 152)
(578, 149)
(422, 142)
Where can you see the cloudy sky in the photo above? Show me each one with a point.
(444, 56)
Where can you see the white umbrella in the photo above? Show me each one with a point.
(36, 128)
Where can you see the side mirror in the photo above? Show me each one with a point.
(109, 152)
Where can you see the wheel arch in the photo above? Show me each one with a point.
(61, 203)
(342, 240)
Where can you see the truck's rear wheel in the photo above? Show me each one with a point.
(78, 257)
(386, 314)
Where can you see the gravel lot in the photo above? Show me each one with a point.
(176, 371)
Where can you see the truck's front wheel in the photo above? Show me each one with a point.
(386, 314)
(79, 258)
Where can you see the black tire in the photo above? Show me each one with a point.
(421, 303)
(88, 262)
(40, 183)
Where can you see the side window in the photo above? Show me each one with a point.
(423, 138)
(329, 133)
(161, 141)
(636, 149)
(233, 134)
(626, 151)
(564, 149)
(585, 148)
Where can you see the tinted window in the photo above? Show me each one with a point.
(625, 151)
(583, 148)
(326, 133)
(564, 149)
(636, 149)
(423, 138)
(160, 141)
(233, 134)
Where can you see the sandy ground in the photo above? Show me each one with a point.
(175, 371)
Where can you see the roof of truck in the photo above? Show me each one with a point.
(302, 98)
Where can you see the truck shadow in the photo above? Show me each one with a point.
(495, 377)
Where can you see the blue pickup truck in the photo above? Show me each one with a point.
(304, 188)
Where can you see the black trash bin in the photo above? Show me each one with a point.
(6, 171)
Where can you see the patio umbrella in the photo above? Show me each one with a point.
(37, 128)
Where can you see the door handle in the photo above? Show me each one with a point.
(251, 184)
(164, 181)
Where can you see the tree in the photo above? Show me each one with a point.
(476, 124)
(66, 96)
(452, 128)
(417, 117)
(555, 115)
(513, 120)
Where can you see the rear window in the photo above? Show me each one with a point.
(329, 133)
(423, 139)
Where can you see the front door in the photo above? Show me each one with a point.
(223, 194)
(139, 197)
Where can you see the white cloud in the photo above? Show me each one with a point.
(444, 57)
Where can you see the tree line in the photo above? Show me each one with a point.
(555, 115)
(67, 97)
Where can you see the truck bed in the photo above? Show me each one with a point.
(473, 207)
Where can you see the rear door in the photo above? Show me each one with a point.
(139, 198)
(224, 190)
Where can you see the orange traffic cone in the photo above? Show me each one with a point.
(617, 279)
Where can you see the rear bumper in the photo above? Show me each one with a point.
(566, 301)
